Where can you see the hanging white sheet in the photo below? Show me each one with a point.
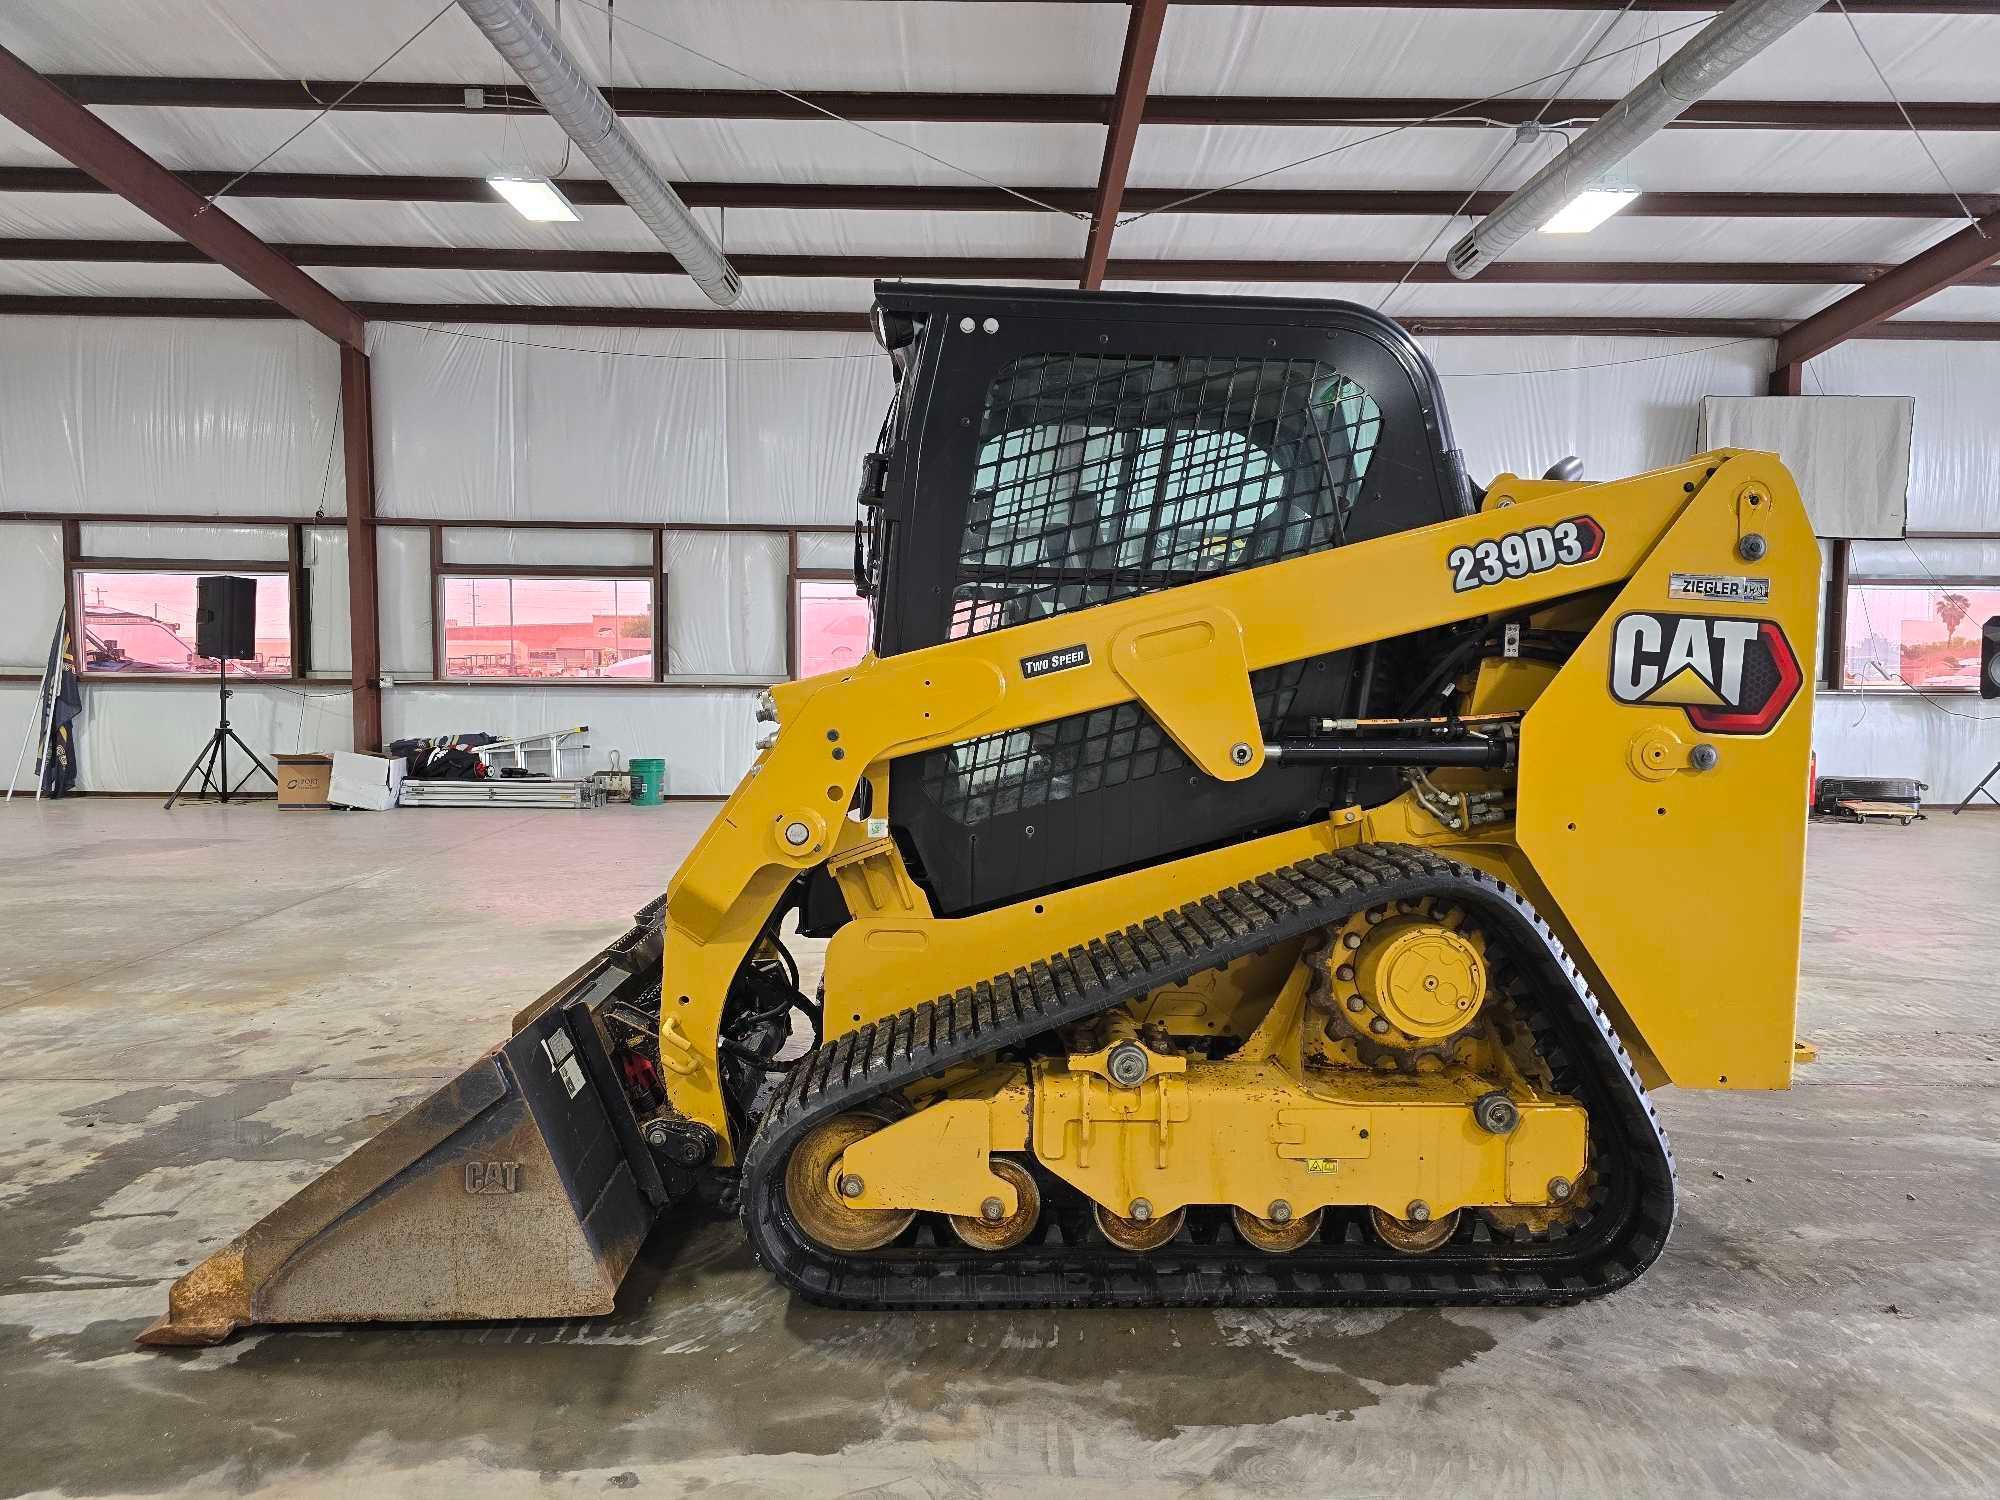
(1849, 454)
(726, 607)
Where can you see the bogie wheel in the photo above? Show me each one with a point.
(1412, 1236)
(982, 1233)
(1274, 1237)
(814, 1197)
(1138, 1235)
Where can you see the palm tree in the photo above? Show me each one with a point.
(1952, 609)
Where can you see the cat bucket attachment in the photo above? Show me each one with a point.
(521, 1189)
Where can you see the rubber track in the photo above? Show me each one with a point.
(1631, 1218)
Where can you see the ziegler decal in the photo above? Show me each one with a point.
(1729, 676)
(1730, 587)
(1055, 661)
(1521, 553)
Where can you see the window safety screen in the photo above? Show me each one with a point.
(1100, 478)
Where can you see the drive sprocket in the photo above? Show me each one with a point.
(1404, 983)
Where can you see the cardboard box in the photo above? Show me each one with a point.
(303, 781)
(369, 782)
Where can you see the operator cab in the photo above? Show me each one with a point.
(1047, 451)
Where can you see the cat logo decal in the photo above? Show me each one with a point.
(1730, 676)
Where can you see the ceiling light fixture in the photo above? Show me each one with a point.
(534, 198)
(1588, 209)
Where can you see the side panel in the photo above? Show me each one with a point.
(1684, 882)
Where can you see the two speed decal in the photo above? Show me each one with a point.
(1055, 661)
(1520, 553)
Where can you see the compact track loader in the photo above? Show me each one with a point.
(1257, 866)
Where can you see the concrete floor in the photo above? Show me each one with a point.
(200, 1010)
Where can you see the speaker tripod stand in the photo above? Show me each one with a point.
(1978, 790)
(212, 760)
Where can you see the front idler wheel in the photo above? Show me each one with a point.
(813, 1190)
(992, 1229)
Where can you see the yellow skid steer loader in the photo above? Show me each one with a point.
(1257, 865)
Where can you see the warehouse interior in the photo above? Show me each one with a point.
(266, 312)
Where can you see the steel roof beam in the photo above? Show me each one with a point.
(1859, 7)
(592, 192)
(1967, 258)
(1007, 108)
(59, 122)
(544, 315)
(1135, 73)
(991, 267)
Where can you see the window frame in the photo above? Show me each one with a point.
(1841, 585)
(655, 577)
(292, 569)
(795, 616)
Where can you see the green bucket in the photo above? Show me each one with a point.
(649, 782)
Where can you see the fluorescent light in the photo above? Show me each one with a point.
(534, 198)
(1588, 209)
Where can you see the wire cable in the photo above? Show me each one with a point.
(1449, 220)
(1964, 208)
(1609, 364)
(821, 109)
(1458, 112)
(326, 469)
(406, 44)
(488, 338)
(1589, 56)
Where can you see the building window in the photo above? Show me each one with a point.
(833, 626)
(142, 624)
(1916, 635)
(528, 627)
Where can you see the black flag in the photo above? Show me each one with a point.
(59, 756)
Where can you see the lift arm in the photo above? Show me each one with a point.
(1185, 654)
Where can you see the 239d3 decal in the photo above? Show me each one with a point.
(1730, 676)
(1520, 553)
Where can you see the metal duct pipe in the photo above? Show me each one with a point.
(1724, 45)
(519, 34)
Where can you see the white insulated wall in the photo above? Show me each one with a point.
(656, 427)
(158, 416)
(1952, 741)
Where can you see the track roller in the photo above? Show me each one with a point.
(1139, 1234)
(1277, 1236)
(1002, 1232)
(1413, 1236)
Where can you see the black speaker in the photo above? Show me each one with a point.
(1989, 659)
(225, 618)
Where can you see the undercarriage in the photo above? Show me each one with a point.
(1088, 1132)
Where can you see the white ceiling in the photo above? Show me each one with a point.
(966, 45)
